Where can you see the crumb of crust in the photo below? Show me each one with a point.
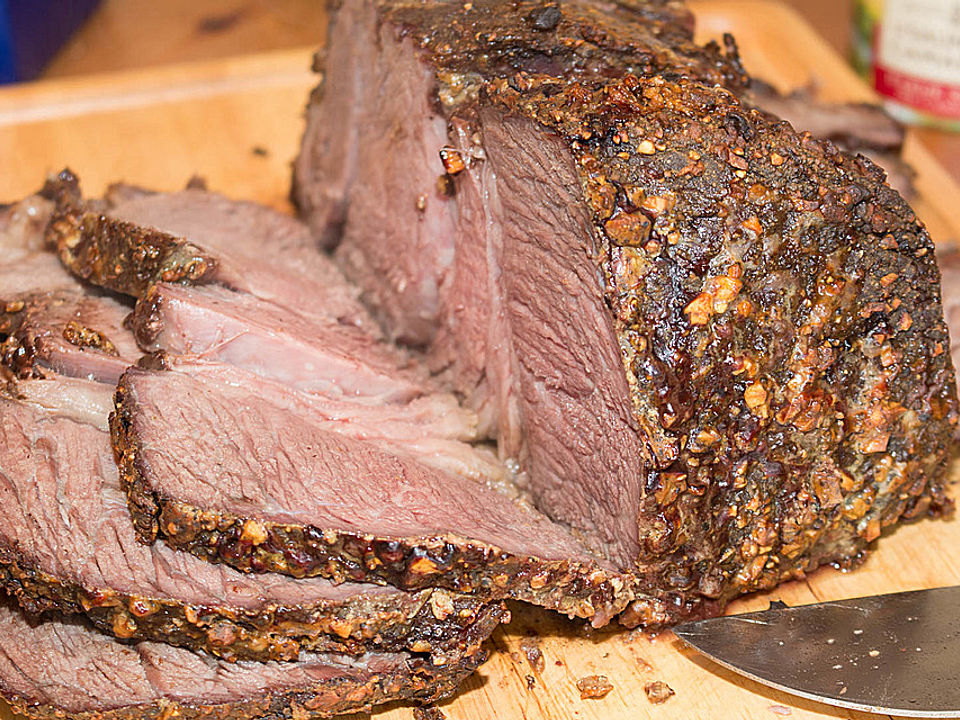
(658, 692)
(594, 687)
(531, 682)
(531, 648)
(428, 713)
(197, 182)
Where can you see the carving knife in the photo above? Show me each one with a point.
(895, 654)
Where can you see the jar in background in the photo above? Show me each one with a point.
(910, 50)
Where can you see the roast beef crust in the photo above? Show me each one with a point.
(445, 625)
(18, 351)
(777, 304)
(572, 39)
(252, 545)
(419, 681)
(779, 313)
(21, 345)
(115, 254)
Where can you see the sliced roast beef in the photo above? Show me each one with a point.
(434, 429)
(710, 342)
(364, 386)
(130, 241)
(25, 273)
(311, 343)
(71, 332)
(310, 354)
(67, 544)
(24, 266)
(63, 668)
(269, 487)
(48, 319)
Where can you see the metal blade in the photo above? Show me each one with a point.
(892, 654)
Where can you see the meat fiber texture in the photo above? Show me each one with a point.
(68, 331)
(714, 346)
(320, 343)
(241, 245)
(49, 321)
(326, 451)
(68, 543)
(64, 668)
(270, 487)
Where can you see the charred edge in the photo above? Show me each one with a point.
(447, 627)
(484, 571)
(144, 510)
(417, 682)
(18, 352)
(84, 337)
(832, 519)
(21, 344)
(573, 588)
(63, 189)
(658, 612)
(437, 626)
(146, 321)
(121, 256)
(581, 40)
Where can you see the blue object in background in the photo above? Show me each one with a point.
(31, 31)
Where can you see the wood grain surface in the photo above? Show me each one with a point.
(237, 122)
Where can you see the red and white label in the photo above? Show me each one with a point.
(918, 55)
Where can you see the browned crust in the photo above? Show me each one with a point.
(786, 426)
(18, 351)
(118, 255)
(249, 544)
(419, 681)
(446, 625)
(790, 426)
(22, 342)
(577, 38)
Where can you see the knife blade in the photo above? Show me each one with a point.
(896, 654)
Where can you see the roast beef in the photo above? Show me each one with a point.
(434, 429)
(311, 355)
(857, 127)
(361, 384)
(48, 319)
(320, 460)
(131, 240)
(63, 668)
(714, 345)
(357, 384)
(70, 332)
(24, 265)
(269, 487)
(23, 226)
(67, 544)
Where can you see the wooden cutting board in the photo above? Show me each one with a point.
(237, 122)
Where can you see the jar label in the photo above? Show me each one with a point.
(918, 55)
